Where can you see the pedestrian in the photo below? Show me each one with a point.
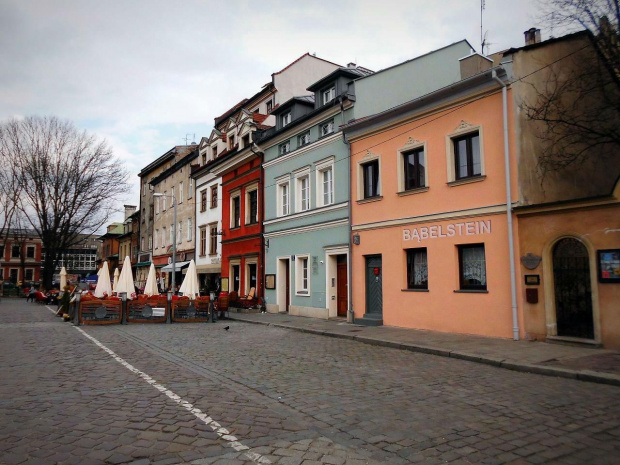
(32, 294)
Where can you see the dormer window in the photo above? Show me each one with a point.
(329, 95)
(286, 118)
(269, 106)
(304, 138)
(246, 140)
(231, 142)
(285, 148)
(214, 151)
(204, 158)
(327, 128)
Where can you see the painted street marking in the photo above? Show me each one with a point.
(222, 432)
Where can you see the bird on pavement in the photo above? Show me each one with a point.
(226, 328)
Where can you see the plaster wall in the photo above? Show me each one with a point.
(293, 80)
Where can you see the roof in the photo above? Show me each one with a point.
(353, 73)
(300, 58)
(191, 155)
(307, 100)
(574, 35)
(161, 160)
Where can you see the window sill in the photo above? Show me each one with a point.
(326, 135)
(302, 294)
(417, 190)
(376, 198)
(471, 291)
(234, 228)
(460, 182)
(414, 290)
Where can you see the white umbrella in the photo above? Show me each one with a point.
(115, 283)
(63, 278)
(190, 285)
(99, 272)
(125, 280)
(103, 283)
(151, 282)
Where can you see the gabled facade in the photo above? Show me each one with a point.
(234, 162)
(128, 241)
(110, 245)
(306, 226)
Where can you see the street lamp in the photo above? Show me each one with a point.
(174, 237)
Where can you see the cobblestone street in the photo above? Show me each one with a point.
(200, 394)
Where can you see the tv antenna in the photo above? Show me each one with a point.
(187, 138)
(483, 37)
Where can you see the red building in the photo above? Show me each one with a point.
(20, 257)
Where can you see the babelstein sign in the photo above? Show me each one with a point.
(466, 228)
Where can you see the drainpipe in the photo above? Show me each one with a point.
(261, 260)
(350, 314)
(513, 279)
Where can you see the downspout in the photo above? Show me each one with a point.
(350, 314)
(261, 260)
(513, 279)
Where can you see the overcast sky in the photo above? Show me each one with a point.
(144, 74)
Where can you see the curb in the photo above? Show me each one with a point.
(587, 376)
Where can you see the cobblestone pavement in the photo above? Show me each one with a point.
(200, 394)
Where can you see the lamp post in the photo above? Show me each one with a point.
(174, 237)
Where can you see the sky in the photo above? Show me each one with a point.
(146, 75)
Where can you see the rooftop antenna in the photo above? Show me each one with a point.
(482, 36)
(187, 138)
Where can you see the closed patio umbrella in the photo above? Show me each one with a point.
(151, 282)
(125, 280)
(190, 286)
(115, 283)
(63, 278)
(103, 283)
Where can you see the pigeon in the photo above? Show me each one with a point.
(226, 328)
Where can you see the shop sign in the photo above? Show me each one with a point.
(466, 228)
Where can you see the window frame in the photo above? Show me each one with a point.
(190, 188)
(300, 277)
(302, 176)
(284, 148)
(361, 177)
(203, 200)
(328, 94)
(418, 148)
(322, 167)
(214, 199)
(248, 204)
(331, 128)
(463, 130)
(235, 216)
(189, 229)
(181, 193)
(411, 265)
(303, 139)
(213, 239)
(283, 184)
(466, 286)
(286, 118)
(202, 241)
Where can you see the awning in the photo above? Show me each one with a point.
(143, 264)
(179, 266)
(209, 268)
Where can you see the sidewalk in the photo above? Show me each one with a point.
(582, 363)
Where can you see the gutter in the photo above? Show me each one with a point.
(513, 279)
(350, 313)
(261, 258)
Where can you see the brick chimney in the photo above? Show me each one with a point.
(532, 36)
(129, 210)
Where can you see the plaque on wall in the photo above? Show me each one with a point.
(532, 279)
(270, 281)
(609, 265)
(531, 261)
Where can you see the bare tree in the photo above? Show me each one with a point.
(578, 103)
(70, 182)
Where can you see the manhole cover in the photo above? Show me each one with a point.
(147, 311)
(101, 312)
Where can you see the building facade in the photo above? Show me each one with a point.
(20, 257)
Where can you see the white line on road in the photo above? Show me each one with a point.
(207, 420)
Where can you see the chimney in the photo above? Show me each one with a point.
(532, 36)
(129, 210)
(351, 65)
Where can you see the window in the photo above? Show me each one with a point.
(304, 139)
(142, 243)
(246, 140)
(204, 158)
(190, 189)
(234, 278)
(213, 239)
(235, 214)
(171, 234)
(370, 173)
(14, 275)
(156, 200)
(414, 169)
(180, 232)
(189, 229)
(181, 192)
(231, 142)
(327, 128)
(325, 182)
(163, 201)
(1, 274)
(285, 148)
(203, 241)
(157, 238)
(301, 274)
(286, 118)
(214, 151)
(203, 200)
(214, 196)
(163, 237)
(250, 276)
(329, 95)
(467, 161)
(252, 206)
(417, 269)
(15, 251)
(29, 274)
(283, 198)
(303, 193)
(150, 211)
(30, 251)
(1, 252)
(472, 267)
(150, 243)
(143, 189)
(269, 106)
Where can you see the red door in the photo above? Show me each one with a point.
(341, 278)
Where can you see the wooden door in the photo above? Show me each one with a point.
(288, 286)
(374, 285)
(341, 289)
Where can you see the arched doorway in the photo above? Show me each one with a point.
(572, 287)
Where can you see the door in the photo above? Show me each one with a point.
(573, 295)
(341, 289)
(374, 286)
(288, 285)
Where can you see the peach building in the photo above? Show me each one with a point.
(432, 228)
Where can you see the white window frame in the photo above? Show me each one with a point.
(157, 238)
(300, 290)
(328, 95)
(180, 232)
(463, 129)
(283, 183)
(326, 128)
(251, 188)
(246, 274)
(190, 188)
(284, 148)
(163, 237)
(300, 176)
(142, 243)
(303, 139)
(286, 118)
(322, 167)
(369, 157)
(231, 282)
(172, 238)
(181, 192)
(410, 146)
(157, 205)
(234, 195)
(150, 243)
(163, 201)
(189, 230)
